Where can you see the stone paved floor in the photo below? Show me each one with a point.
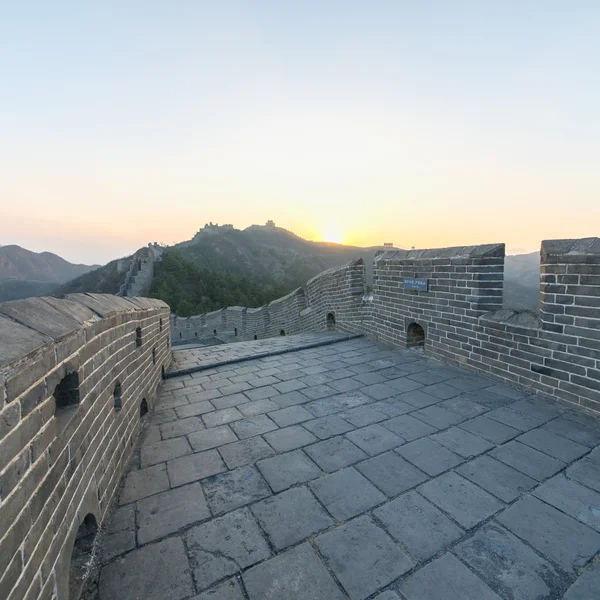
(353, 471)
(205, 355)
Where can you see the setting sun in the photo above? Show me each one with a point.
(333, 235)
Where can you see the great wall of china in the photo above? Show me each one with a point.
(459, 319)
(78, 374)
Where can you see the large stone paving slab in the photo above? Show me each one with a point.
(587, 472)
(291, 517)
(335, 453)
(363, 415)
(438, 417)
(285, 470)
(540, 408)
(574, 499)
(194, 467)
(289, 438)
(291, 415)
(119, 535)
(228, 590)
(233, 489)
(158, 452)
(391, 473)
(346, 493)
(467, 503)
(587, 586)
(169, 511)
(583, 430)
(259, 407)
(532, 462)
(254, 426)
(490, 429)
(212, 438)
(363, 557)
(552, 533)
(557, 446)
(224, 546)
(181, 427)
(297, 574)
(374, 439)
(222, 417)
(462, 442)
(509, 567)
(446, 578)
(245, 452)
(408, 428)
(326, 427)
(144, 482)
(418, 525)
(429, 456)
(514, 418)
(155, 572)
(497, 478)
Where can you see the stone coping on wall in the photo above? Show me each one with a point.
(30, 325)
(297, 292)
(571, 248)
(479, 251)
(352, 263)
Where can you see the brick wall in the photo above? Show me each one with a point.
(463, 284)
(339, 291)
(59, 465)
(557, 354)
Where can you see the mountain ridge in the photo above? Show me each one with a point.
(24, 273)
(223, 266)
(22, 264)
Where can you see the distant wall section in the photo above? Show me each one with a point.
(337, 291)
(140, 272)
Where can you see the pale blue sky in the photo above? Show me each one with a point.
(423, 123)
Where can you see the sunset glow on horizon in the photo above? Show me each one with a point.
(425, 126)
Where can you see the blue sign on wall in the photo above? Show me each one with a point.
(415, 283)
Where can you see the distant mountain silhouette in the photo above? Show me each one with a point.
(25, 273)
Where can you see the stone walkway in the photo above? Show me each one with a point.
(353, 471)
(206, 355)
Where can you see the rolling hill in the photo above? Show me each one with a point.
(25, 273)
(271, 254)
(522, 281)
(222, 266)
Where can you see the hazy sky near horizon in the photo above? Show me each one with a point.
(422, 123)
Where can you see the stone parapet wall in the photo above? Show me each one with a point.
(59, 465)
(557, 354)
(305, 309)
(463, 284)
